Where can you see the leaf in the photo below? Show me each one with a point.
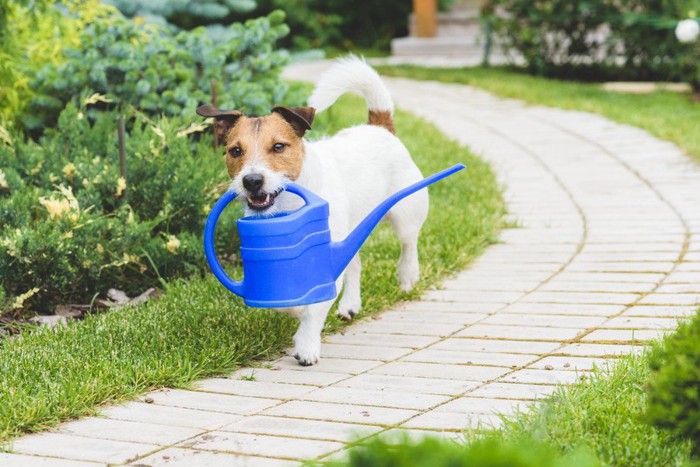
(97, 97)
(158, 132)
(5, 136)
(194, 128)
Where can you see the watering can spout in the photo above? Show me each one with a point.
(343, 251)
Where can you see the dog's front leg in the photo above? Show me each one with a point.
(307, 340)
(351, 301)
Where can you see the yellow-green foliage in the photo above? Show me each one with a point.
(487, 452)
(674, 383)
(35, 36)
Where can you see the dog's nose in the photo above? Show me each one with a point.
(253, 182)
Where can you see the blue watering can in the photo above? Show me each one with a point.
(289, 259)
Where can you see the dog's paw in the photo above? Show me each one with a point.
(409, 273)
(307, 352)
(348, 308)
(407, 283)
(346, 315)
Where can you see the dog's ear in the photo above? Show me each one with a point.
(224, 119)
(300, 118)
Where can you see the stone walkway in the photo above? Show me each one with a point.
(607, 254)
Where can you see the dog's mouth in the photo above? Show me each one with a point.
(261, 201)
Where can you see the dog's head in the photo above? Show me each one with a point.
(262, 154)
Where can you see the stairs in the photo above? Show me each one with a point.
(459, 36)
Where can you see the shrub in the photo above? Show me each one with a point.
(674, 383)
(72, 227)
(185, 14)
(487, 452)
(597, 39)
(313, 23)
(144, 66)
(32, 36)
(340, 23)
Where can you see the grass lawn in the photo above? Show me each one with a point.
(597, 422)
(199, 329)
(605, 416)
(667, 115)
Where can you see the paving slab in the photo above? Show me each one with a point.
(134, 432)
(606, 257)
(171, 416)
(225, 403)
(79, 448)
(262, 445)
(180, 457)
(301, 428)
(22, 460)
(390, 383)
(342, 412)
(519, 391)
(468, 344)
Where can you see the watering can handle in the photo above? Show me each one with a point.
(309, 197)
(209, 250)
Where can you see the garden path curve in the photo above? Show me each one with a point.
(607, 254)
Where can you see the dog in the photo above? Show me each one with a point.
(353, 170)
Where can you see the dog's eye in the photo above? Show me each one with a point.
(279, 147)
(235, 151)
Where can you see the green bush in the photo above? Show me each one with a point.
(341, 23)
(487, 452)
(313, 23)
(674, 383)
(32, 35)
(186, 15)
(597, 39)
(72, 227)
(144, 66)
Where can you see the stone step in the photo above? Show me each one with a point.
(441, 45)
(462, 23)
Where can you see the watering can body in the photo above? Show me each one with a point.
(289, 259)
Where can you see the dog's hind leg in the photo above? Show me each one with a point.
(407, 219)
(351, 302)
(307, 340)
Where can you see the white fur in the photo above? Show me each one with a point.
(354, 171)
(351, 74)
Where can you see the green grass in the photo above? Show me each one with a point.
(600, 421)
(486, 452)
(604, 415)
(199, 329)
(667, 115)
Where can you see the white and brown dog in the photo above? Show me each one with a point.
(354, 171)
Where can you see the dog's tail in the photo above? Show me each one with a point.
(353, 74)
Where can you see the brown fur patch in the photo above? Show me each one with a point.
(257, 137)
(382, 118)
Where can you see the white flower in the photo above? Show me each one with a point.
(20, 299)
(173, 244)
(687, 31)
(121, 186)
(194, 128)
(95, 98)
(10, 243)
(69, 170)
(3, 181)
(58, 207)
